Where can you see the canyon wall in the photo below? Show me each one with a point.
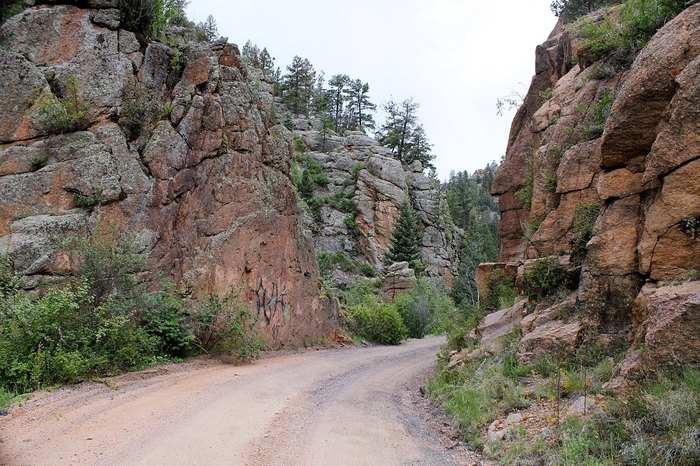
(173, 146)
(621, 147)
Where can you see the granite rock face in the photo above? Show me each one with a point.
(204, 185)
(377, 183)
(637, 171)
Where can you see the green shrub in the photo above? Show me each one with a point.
(87, 201)
(356, 171)
(224, 324)
(288, 122)
(378, 323)
(619, 42)
(299, 145)
(501, 290)
(9, 280)
(9, 8)
(56, 340)
(167, 321)
(569, 10)
(544, 278)
(54, 115)
(328, 262)
(362, 290)
(599, 115)
(546, 94)
(144, 17)
(526, 191)
(425, 309)
(134, 114)
(585, 216)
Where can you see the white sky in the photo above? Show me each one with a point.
(454, 57)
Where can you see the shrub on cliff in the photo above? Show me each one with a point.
(569, 10)
(56, 115)
(544, 278)
(619, 41)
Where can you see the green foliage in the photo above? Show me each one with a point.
(458, 327)
(141, 16)
(599, 114)
(104, 320)
(377, 322)
(288, 122)
(585, 216)
(425, 310)
(9, 280)
(328, 262)
(135, 110)
(569, 10)
(224, 324)
(209, 29)
(525, 193)
(546, 94)
(9, 8)
(544, 278)
(87, 201)
(472, 208)
(57, 115)
(501, 290)
(356, 171)
(406, 240)
(167, 322)
(306, 186)
(298, 85)
(553, 159)
(59, 339)
(618, 42)
(404, 135)
(475, 393)
(148, 18)
(299, 145)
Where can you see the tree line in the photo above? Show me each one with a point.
(343, 103)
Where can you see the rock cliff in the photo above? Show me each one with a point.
(173, 146)
(359, 168)
(614, 197)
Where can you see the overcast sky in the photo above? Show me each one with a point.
(454, 57)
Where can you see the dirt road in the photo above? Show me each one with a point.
(330, 407)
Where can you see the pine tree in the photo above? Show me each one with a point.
(267, 62)
(419, 148)
(251, 54)
(406, 242)
(396, 132)
(336, 98)
(306, 186)
(359, 106)
(211, 32)
(298, 85)
(404, 135)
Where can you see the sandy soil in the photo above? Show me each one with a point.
(350, 406)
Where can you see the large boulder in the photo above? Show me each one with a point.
(553, 338)
(399, 278)
(495, 327)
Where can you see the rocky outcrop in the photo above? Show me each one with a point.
(399, 278)
(377, 183)
(637, 172)
(183, 159)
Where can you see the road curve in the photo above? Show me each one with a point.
(330, 407)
